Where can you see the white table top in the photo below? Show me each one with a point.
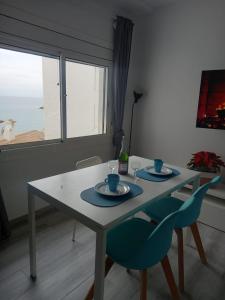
(63, 191)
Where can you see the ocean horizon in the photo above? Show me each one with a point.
(24, 110)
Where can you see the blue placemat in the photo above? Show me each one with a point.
(157, 178)
(91, 196)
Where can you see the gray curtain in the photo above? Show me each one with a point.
(123, 30)
(4, 222)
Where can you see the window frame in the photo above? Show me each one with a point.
(105, 95)
(63, 57)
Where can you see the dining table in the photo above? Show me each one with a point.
(63, 192)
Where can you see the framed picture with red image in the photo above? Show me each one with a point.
(211, 106)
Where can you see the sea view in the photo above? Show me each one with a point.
(24, 110)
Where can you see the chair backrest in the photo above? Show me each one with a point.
(161, 237)
(158, 242)
(88, 162)
(191, 208)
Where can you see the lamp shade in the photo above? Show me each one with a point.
(137, 96)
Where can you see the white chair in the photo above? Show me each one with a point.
(91, 161)
(88, 162)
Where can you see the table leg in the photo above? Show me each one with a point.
(196, 184)
(100, 265)
(32, 235)
(187, 231)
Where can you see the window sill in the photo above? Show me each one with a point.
(38, 144)
(45, 148)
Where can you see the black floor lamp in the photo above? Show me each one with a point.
(137, 97)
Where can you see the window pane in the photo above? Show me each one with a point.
(29, 98)
(85, 89)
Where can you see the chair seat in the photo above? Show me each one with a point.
(125, 244)
(159, 209)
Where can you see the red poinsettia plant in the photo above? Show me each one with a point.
(205, 162)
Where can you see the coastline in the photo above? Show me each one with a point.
(25, 137)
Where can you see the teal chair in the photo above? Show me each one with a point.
(137, 244)
(189, 213)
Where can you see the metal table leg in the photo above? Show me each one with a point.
(100, 265)
(32, 235)
(196, 184)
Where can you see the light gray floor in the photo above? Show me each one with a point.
(65, 269)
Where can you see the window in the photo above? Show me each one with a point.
(30, 106)
(85, 99)
(27, 94)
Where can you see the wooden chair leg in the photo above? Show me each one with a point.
(108, 265)
(169, 277)
(180, 246)
(144, 283)
(197, 238)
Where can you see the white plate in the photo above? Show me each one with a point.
(103, 189)
(164, 172)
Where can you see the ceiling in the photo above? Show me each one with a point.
(133, 6)
(142, 6)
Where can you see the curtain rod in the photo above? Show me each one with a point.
(118, 16)
(52, 30)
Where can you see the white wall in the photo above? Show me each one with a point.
(135, 80)
(176, 44)
(87, 22)
(19, 167)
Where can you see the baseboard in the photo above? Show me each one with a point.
(39, 213)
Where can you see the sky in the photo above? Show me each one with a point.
(20, 74)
